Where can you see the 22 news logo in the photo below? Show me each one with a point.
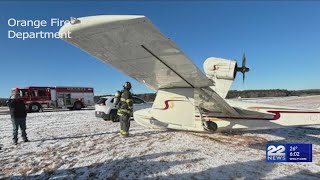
(300, 152)
(276, 153)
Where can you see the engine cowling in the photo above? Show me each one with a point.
(222, 72)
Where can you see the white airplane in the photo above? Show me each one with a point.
(186, 98)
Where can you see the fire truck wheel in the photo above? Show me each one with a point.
(77, 105)
(35, 107)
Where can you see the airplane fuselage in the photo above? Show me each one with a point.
(178, 109)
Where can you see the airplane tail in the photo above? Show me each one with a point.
(221, 72)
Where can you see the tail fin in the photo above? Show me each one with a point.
(221, 72)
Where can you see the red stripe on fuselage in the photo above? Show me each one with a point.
(248, 118)
(166, 103)
(277, 115)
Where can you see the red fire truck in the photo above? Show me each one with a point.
(37, 98)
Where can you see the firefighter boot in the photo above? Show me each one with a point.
(15, 141)
(124, 133)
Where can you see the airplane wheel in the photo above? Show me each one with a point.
(210, 126)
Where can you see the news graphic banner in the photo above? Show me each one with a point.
(25, 29)
(289, 152)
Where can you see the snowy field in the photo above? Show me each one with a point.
(4, 110)
(76, 145)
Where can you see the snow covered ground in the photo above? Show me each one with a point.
(76, 145)
(308, 102)
(4, 110)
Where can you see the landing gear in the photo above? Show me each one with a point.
(210, 126)
(207, 125)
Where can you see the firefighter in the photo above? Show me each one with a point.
(18, 116)
(125, 108)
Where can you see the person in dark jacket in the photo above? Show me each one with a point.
(125, 109)
(18, 116)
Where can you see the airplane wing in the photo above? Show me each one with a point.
(133, 45)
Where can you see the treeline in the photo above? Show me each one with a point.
(248, 94)
(271, 93)
(253, 93)
(232, 94)
(3, 101)
(149, 97)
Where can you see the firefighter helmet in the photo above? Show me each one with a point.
(127, 85)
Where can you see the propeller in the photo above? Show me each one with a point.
(243, 69)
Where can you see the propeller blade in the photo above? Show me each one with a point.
(243, 69)
(243, 77)
(244, 60)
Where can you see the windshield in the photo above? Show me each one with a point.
(102, 100)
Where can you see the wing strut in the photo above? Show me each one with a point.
(208, 96)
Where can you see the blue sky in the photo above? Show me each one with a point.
(281, 41)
